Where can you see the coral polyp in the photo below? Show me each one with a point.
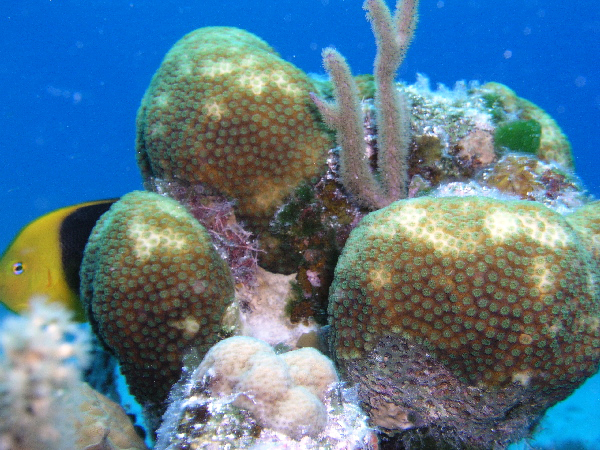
(226, 112)
(154, 286)
(450, 312)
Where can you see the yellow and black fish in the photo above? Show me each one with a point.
(45, 257)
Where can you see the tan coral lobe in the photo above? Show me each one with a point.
(466, 277)
(273, 388)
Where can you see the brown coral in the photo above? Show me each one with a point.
(454, 311)
(223, 110)
(153, 286)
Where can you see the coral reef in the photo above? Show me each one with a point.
(224, 111)
(153, 286)
(43, 402)
(450, 312)
(243, 387)
(442, 249)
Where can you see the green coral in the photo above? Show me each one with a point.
(153, 286)
(440, 302)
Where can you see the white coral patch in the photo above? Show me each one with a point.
(522, 378)
(543, 275)
(547, 232)
(280, 78)
(157, 130)
(185, 65)
(216, 68)
(248, 61)
(254, 82)
(214, 109)
(283, 82)
(190, 326)
(379, 278)
(162, 100)
(148, 238)
(412, 221)
(502, 224)
(408, 220)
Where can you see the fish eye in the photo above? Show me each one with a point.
(17, 268)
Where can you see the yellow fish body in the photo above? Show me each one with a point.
(44, 258)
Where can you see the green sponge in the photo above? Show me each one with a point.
(519, 136)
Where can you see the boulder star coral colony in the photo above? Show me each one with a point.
(443, 254)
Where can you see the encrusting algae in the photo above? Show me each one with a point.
(439, 252)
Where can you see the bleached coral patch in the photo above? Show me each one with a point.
(43, 353)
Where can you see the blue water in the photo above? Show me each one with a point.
(72, 74)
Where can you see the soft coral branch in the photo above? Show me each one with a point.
(393, 36)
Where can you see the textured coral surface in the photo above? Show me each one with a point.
(153, 286)
(586, 221)
(224, 110)
(242, 388)
(499, 291)
(103, 424)
(497, 296)
(277, 390)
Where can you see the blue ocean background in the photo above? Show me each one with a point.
(73, 72)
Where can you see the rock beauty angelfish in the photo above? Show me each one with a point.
(44, 258)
